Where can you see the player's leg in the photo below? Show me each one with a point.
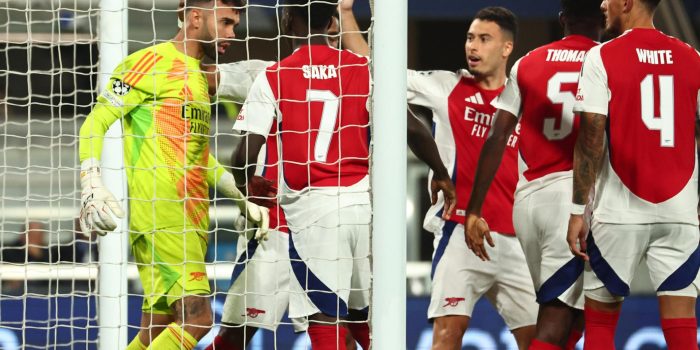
(152, 325)
(358, 300)
(459, 279)
(540, 218)
(155, 313)
(673, 259)
(322, 264)
(615, 251)
(513, 294)
(255, 300)
(179, 258)
(448, 331)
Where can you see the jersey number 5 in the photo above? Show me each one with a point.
(329, 116)
(663, 123)
(564, 98)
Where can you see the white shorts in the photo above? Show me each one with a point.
(460, 278)
(671, 251)
(541, 221)
(330, 261)
(260, 284)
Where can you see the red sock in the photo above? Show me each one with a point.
(600, 329)
(360, 331)
(574, 337)
(220, 343)
(327, 337)
(540, 345)
(680, 333)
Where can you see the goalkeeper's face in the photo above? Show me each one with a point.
(219, 28)
(487, 48)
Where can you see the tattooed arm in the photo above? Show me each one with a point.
(588, 155)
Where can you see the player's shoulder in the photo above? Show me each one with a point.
(153, 52)
(353, 56)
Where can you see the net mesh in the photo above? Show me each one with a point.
(49, 273)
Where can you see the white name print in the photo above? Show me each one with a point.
(319, 72)
(655, 56)
(565, 55)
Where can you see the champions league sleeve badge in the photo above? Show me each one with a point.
(120, 88)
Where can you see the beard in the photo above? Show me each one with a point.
(612, 30)
(209, 49)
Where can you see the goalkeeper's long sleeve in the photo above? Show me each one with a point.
(93, 131)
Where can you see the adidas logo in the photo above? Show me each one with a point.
(476, 99)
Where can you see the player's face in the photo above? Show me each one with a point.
(613, 9)
(334, 33)
(487, 48)
(219, 28)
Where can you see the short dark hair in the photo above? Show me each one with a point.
(581, 9)
(316, 13)
(500, 15)
(233, 3)
(651, 4)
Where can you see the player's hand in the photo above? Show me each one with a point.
(578, 230)
(255, 221)
(448, 193)
(476, 230)
(262, 191)
(99, 207)
(345, 5)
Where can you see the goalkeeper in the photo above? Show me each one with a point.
(162, 98)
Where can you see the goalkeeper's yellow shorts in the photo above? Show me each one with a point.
(171, 266)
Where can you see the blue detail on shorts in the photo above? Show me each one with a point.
(613, 282)
(684, 275)
(447, 230)
(243, 259)
(329, 303)
(560, 281)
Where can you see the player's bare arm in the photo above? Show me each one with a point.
(352, 38)
(477, 229)
(244, 159)
(423, 146)
(588, 155)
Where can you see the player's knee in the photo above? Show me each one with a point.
(450, 329)
(195, 311)
(604, 296)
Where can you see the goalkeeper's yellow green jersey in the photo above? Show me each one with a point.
(162, 97)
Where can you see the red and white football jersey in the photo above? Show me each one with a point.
(318, 98)
(541, 91)
(270, 171)
(462, 118)
(644, 83)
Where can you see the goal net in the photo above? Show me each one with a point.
(61, 288)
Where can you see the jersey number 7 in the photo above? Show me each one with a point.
(329, 116)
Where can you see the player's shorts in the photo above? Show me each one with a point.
(171, 266)
(671, 251)
(541, 221)
(460, 278)
(259, 292)
(330, 260)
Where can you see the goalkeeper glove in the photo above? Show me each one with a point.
(256, 216)
(99, 205)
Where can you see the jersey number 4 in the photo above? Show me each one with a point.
(565, 98)
(329, 116)
(663, 123)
